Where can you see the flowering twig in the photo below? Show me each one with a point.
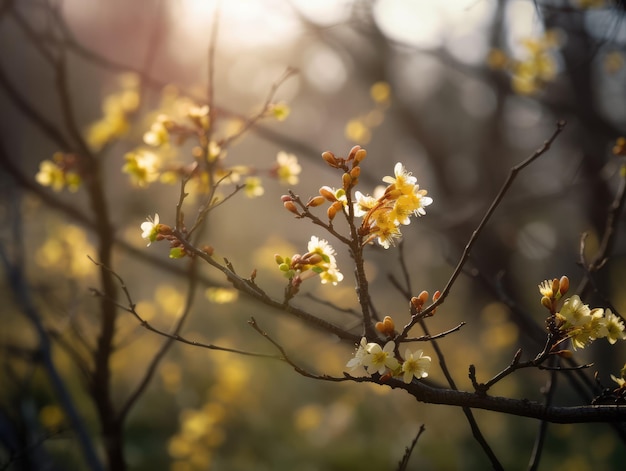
(246, 287)
(417, 317)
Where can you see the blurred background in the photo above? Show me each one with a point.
(459, 91)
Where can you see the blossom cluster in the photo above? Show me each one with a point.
(186, 120)
(154, 231)
(576, 320)
(391, 207)
(116, 110)
(63, 171)
(319, 260)
(383, 361)
(536, 67)
(584, 325)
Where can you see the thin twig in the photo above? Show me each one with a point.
(535, 458)
(285, 358)
(469, 415)
(160, 354)
(608, 237)
(21, 291)
(560, 126)
(404, 463)
(251, 289)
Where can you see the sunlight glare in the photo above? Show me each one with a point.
(324, 12)
(243, 23)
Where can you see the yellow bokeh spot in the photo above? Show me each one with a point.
(499, 331)
(215, 437)
(200, 458)
(577, 462)
(499, 336)
(221, 295)
(591, 3)
(497, 59)
(494, 313)
(603, 445)
(381, 92)
(308, 417)
(179, 447)
(194, 424)
(215, 410)
(51, 417)
(171, 376)
(357, 131)
(67, 250)
(613, 62)
(181, 466)
(169, 299)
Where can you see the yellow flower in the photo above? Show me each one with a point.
(280, 111)
(574, 313)
(416, 365)
(116, 108)
(327, 265)
(50, 175)
(357, 360)
(379, 360)
(60, 172)
(403, 179)
(287, 168)
(253, 187)
(150, 229)
(200, 116)
(158, 133)
(614, 327)
(142, 166)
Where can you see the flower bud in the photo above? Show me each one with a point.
(353, 152)
(564, 285)
(278, 259)
(546, 302)
(331, 211)
(355, 172)
(315, 201)
(359, 156)
(164, 229)
(386, 327)
(177, 252)
(555, 285)
(330, 158)
(285, 198)
(416, 303)
(386, 377)
(327, 193)
(346, 180)
(289, 206)
(380, 327)
(207, 249)
(312, 259)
